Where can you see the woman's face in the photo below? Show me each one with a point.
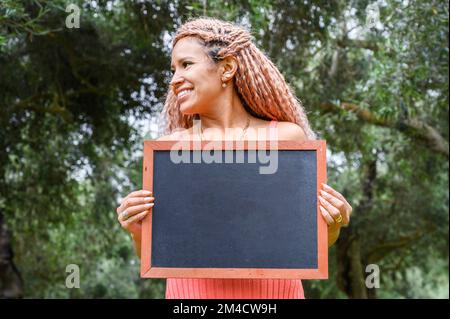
(196, 79)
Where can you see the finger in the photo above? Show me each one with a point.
(133, 201)
(126, 224)
(131, 211)
(348, 207)
(330, 221)
(337, 203)
(329, 189)
(333, 211)
(139, 193)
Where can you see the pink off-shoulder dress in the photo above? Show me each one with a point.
(204, 288)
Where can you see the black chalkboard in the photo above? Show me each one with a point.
(210, 216)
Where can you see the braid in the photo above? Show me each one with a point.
(259, 83)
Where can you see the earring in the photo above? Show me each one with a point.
(224, 85)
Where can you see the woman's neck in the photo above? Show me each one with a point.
(230, 113)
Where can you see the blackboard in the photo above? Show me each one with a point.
(219, 214)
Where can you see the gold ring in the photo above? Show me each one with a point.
(339, 219)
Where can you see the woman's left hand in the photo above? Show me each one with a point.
(334, 207)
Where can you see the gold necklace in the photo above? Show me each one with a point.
(243, 131)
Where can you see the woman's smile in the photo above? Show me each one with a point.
(183, 95)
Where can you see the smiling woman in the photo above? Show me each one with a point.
(216, 64)
(221, 78)
(196, 80)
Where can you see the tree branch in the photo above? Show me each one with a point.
(383, 249)
(414, 128)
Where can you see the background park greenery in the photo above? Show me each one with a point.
(76, 104)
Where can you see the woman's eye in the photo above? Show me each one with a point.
(185, 64)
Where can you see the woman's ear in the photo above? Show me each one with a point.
(228, 67)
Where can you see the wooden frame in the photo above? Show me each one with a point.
(321, 272)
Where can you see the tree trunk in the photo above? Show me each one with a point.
(351, 272)
(351, 277)
(11, 284)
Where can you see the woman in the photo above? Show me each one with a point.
(221, 78)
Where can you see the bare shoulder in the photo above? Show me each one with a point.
(168, 137)
(289, 131)
(177, 135)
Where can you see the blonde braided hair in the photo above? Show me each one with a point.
(261, 87)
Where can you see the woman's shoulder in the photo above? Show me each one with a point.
(290, 131)
(287, 131)
(165, 138)
(177, 135)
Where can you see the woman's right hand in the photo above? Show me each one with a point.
(133, 208)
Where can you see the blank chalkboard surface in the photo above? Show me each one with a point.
(217, 219)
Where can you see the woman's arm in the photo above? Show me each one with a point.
(333, 235)
(134, 207)
(132, 210)
(335, 210)
(137, 244)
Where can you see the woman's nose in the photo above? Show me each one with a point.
(176, 80)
